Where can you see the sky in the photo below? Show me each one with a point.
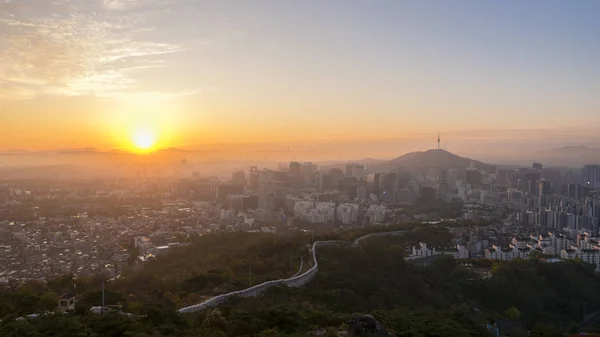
(202, 74)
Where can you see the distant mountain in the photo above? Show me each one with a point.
(371, 161)
(48, 171)
(176, 151)
(569, 156)
(430, 159)
(13, 152)
(368, 162)
(571, 150)
(85, 150)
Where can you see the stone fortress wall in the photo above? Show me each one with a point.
(294, 281)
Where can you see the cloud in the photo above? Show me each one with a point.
(154, 97)
(72, 48)
(120, 4)
(128, 4)
(15, 92)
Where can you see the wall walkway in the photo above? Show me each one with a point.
(294, 281)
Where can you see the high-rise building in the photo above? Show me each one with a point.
(388, 187)
(556, 176)
(442, 183)
(428, 193)
(349, 170)
(236, 201)
(544, 187)
(348, 185)
(224, 190)
(503, 177)
(474, 177)
(253, 177)
(573, 190)
(442, 176)
(251, 202)
(184, 188)
(373, 181)
(295, 168)
(590, 174)
(360, 171)
(361, 191)
(202, 190)
(347, 213)
(239, 177)
(283, 167)
(324, 181)
(309, 168)
(335, 174)
(356, 170)
(266, 181)
(266, 201)
(532, 179)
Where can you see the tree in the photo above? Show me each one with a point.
(268, 333)
(214, 320)
(330, 333)
(513, 313)
(519, 332)
(573, 328)
(545, 330)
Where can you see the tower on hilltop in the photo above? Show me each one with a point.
(438, 140)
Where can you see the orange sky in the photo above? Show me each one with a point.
(200, 75)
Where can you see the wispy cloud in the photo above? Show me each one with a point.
(120, 4)
(72, 48)
(153, 97)
(128, 4)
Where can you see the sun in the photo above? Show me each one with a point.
(144, 139)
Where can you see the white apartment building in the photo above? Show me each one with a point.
(315, 212)
(507, 254)
(347, 213)
(422, 251)
(591, 256)
(556, 243)
(144, 245)
(587, 248)
(460, 252)
(375, 214)
(585, 241)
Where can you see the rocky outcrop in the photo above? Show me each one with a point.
(366, 326)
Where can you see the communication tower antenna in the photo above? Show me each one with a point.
(103, 304)
(438, 140)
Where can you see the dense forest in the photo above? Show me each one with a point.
(445, 298)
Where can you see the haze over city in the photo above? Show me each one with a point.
(326, 168)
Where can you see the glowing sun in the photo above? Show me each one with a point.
(144, 139)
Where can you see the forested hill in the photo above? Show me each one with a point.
(443, 299)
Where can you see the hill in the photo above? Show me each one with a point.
(430, 159)
(446, 298)
(570, 156)
(368, 162)
(47, 172)
(570, 150)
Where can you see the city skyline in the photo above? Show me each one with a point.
(273, 168)
(218, 75)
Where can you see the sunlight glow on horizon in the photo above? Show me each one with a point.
(144, 140)
(78, 74)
